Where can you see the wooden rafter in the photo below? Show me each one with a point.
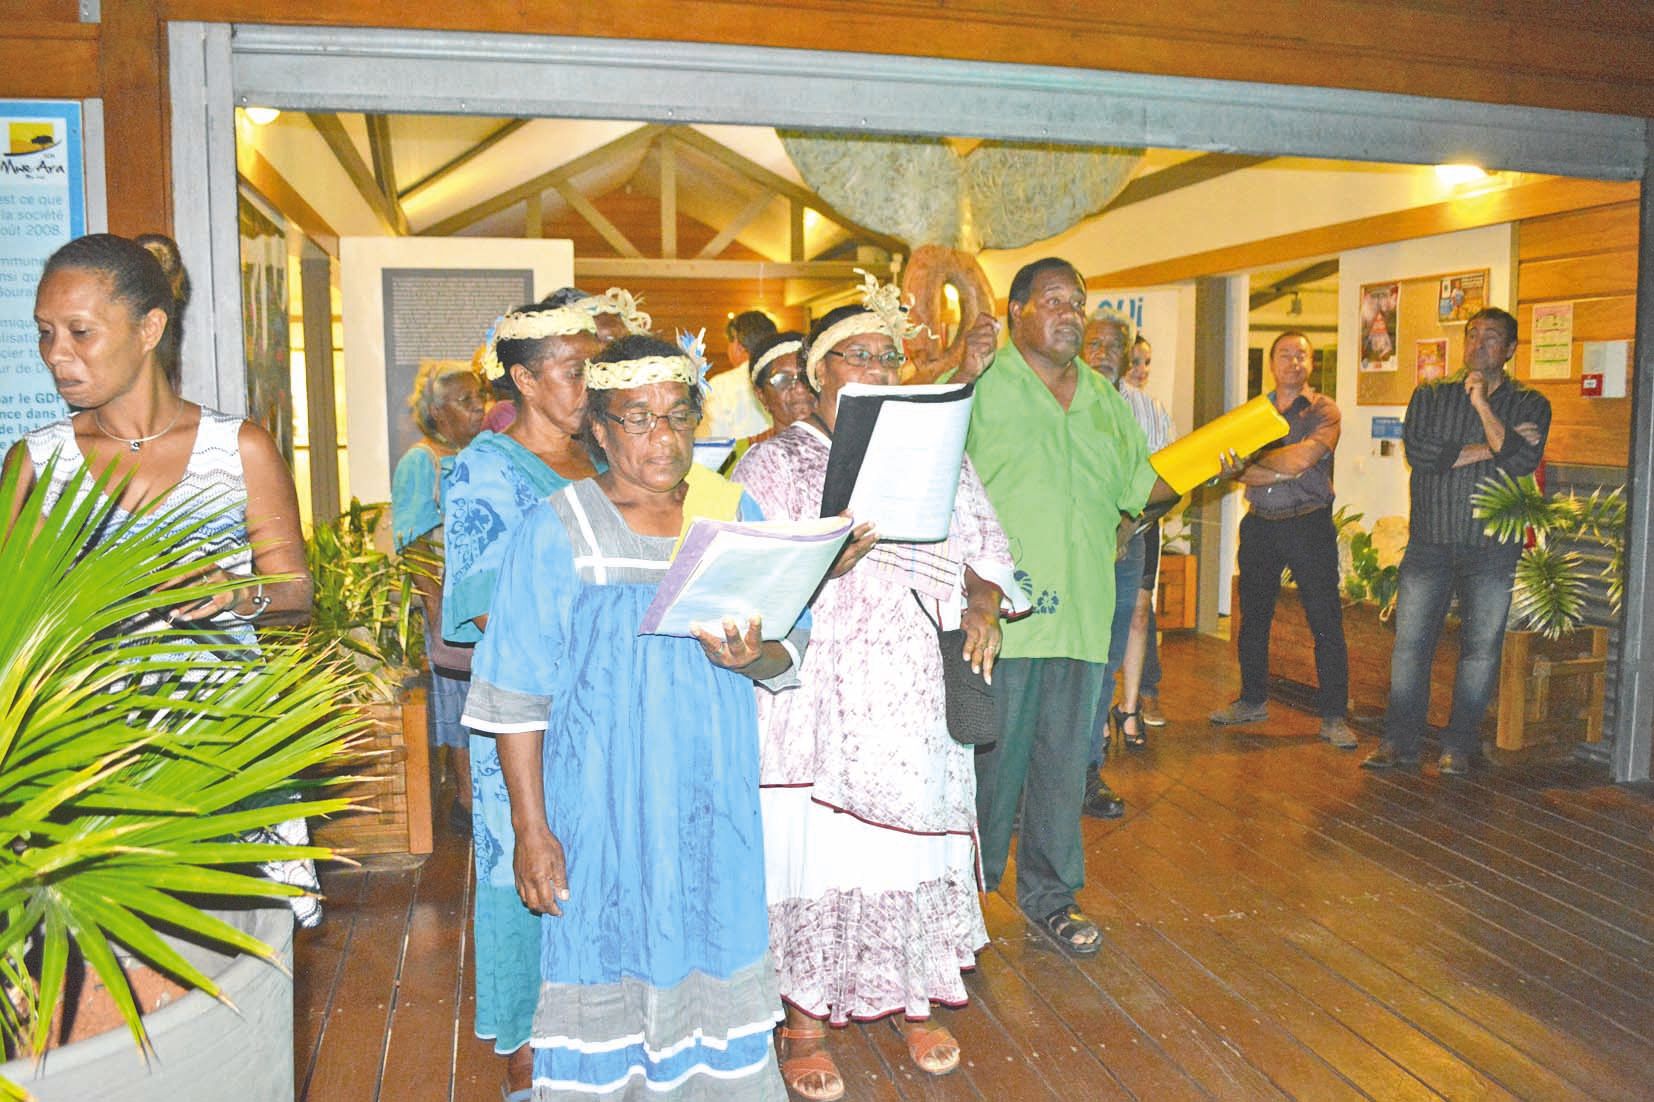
(448, 168)
(1287, 286)
(666, 150)
(694, 139)
(332, 130)
(379, 149)
(734, 226)
(1196, 170)
(647, 268)
(584, 207)
(625, 145)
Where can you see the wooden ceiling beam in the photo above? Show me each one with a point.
(1196, 170)
(666, 151)
(595, 218)
(448, 168)
(733, 228)
(1288, 285)
(646, 268)
(625, 145)
(332, 130)
(694, 139)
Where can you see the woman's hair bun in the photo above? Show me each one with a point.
(165, 251)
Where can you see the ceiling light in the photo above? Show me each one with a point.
(262, 116)
(1456, 175)
(1297, 306)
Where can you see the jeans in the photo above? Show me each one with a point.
(1128, 579)
(1038, 763)
(1308, 546)
(1432, 574)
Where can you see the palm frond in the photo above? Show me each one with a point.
(1548, 592)
(134, 756)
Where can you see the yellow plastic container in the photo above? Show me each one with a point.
(1188, 462)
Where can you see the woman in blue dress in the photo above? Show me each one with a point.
(632, 765)
(535, 357)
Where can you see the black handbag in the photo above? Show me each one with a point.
(972, 703)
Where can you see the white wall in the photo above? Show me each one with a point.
(1377, 485)
(361, 262)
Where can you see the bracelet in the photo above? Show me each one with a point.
(260, 603)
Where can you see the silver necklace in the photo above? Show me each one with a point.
(135, 444)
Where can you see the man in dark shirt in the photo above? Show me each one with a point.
(1458, 432)
(1289, 524)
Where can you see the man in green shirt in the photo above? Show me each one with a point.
(1064, 462)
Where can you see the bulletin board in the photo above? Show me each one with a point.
(1424, 326)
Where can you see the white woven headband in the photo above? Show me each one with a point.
(785, 348)
(560, 322)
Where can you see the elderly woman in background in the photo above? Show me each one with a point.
(632, 764)
(869, 803)
(447, 406)
(779, 380)
(536, 356)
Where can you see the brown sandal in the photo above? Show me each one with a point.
(922, 1042)
(795, 1069)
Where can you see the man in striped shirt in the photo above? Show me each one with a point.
(1458, 432)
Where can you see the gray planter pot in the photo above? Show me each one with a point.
(205, 1051)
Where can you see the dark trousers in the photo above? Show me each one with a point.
(1128, 578)
(1049, 708)
(1308, 546)
(1432, 574)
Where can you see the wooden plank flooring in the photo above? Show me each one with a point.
(1278, 924)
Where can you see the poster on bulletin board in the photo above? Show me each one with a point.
(42, 206)
(1423, 315)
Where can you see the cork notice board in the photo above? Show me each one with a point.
(1403, 325)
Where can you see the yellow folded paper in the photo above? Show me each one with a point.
(1188, 462)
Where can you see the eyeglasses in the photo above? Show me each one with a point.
(785, 380)
(640, 422)
(861, 357)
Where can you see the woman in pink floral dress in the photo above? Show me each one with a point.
(869, 805)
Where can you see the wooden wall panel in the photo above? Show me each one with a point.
(1581, 232)
(136, 113)
(1586, 257)
(62, 60)
(1594, 274)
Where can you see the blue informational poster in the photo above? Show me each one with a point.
(42, 205)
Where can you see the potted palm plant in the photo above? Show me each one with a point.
(132, 768)
(1554, 672)
(367, 607)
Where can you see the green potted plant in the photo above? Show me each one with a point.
(1554, 669)
(132, 764)
(367, 608)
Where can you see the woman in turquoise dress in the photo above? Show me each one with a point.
(536, 357)
(632, 765)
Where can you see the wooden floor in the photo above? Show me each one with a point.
(1278, 924)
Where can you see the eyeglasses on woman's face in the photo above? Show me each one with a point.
(860, 358)
(783, 381)
(641, 422)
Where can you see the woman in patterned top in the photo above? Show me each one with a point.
(108, 311)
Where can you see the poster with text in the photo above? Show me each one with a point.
(42, 205)
(1380, 303)
(1553, 341)
(1430, 360)
(438, 314)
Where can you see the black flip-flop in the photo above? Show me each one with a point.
(1065, 923)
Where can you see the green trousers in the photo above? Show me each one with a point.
(1048, 710)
